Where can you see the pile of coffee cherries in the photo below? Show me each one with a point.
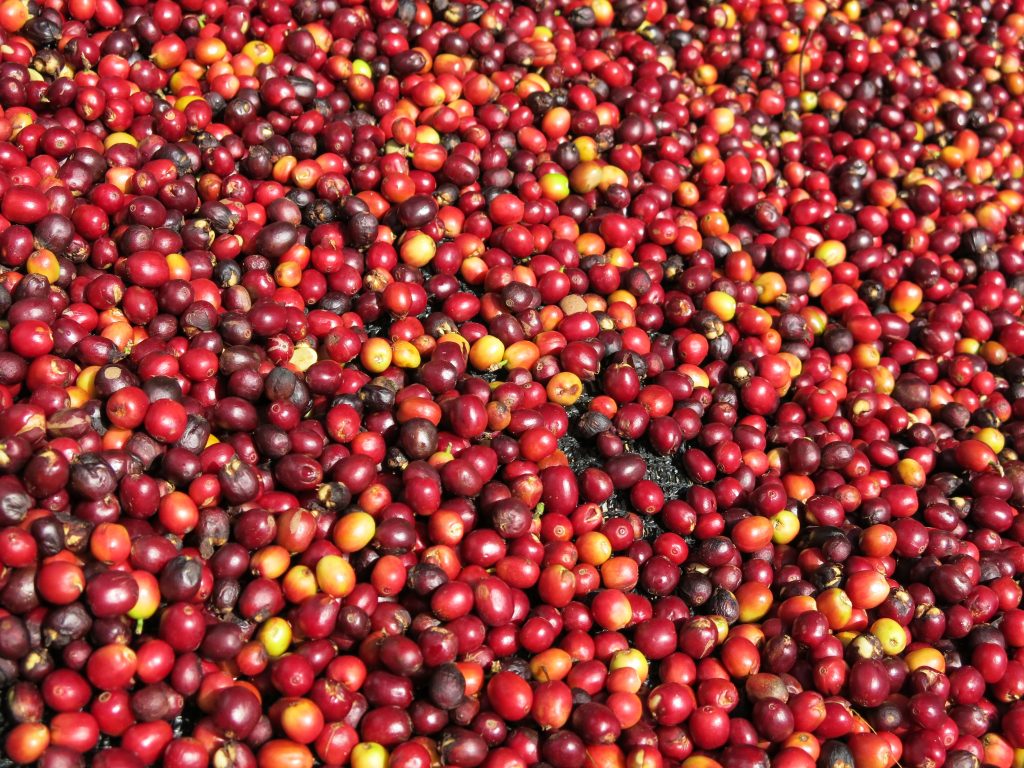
(511, 384)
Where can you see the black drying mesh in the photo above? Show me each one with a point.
(662, 470)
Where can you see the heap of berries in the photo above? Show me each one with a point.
(493, 384)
